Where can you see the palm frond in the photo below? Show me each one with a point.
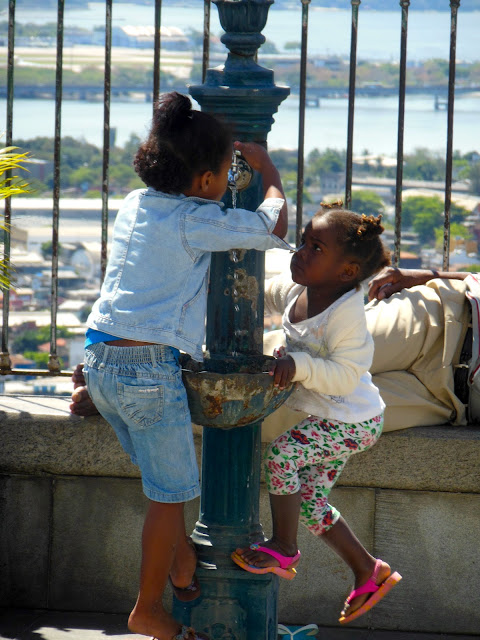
(10, 160)
(12, 187)
(5, 275)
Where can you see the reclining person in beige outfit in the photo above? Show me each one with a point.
(420, 327)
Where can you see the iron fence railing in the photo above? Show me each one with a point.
(54, 362)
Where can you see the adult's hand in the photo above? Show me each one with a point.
(391, 280)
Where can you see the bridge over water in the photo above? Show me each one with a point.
(314, 94)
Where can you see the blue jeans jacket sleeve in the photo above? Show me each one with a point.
(211, 228)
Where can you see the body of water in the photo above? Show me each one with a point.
(376, 122)
(329, 34)
(329, 29)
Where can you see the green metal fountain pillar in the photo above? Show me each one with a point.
(234, 604)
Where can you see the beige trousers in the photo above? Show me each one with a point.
(418, 336)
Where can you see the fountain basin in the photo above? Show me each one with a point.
(232, 392)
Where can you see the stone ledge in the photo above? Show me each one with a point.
(40, 437)
(440, 458)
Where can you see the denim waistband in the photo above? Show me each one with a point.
(101, 352)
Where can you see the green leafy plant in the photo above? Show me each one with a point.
(10, 186)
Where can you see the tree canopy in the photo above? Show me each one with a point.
(426, 214)
(367, 202)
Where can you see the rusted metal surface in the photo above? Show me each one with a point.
(156, 51)
(237, 255)
(230, 400)
(206, 38)
(53, 362)
(301, 122)
(400, 135)
(454, 5)
(44, 373)
(244, 286)
(351, 102)
(106, 134)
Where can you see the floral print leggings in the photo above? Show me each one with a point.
(310, 457)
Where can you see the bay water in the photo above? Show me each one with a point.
(376, 122)
(326, 126)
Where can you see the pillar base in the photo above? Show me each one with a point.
(234, 605)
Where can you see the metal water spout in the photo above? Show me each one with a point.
(233, 390)
(239, 175)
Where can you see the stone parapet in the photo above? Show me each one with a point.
(40, 436)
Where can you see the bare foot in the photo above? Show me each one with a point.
(360, 580)
(82, 404)
(78, 378)
(260, 559)
(184, 563)
(157, 624)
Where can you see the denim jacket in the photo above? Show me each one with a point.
(155, 287)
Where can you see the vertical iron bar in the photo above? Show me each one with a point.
(401, 130)
(53, 361)
(301, 122)
(206, 38)
(5, 362)
(107, 86)
(156, 52)
(454, 4)
(351, 102)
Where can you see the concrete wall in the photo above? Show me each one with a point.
(71, 513)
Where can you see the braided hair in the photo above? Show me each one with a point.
(359, 235)
(182, 143)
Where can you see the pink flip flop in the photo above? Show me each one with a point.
(285, 570)
(378, 592)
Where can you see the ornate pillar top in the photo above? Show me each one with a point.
(241, 90)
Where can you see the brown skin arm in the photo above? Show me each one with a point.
(392, 280)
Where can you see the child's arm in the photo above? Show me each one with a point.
(340, 372)
(277, 290)
(349, 352)
(258, 158)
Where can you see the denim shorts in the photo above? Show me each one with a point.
(139, 391)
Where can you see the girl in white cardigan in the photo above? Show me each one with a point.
(329, 352)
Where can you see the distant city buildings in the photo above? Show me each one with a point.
(143, 37)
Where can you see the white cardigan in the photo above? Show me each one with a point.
(332, 352)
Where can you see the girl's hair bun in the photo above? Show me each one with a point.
(338, 204)
(173, 108)
(183, 143)
(370, 226)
